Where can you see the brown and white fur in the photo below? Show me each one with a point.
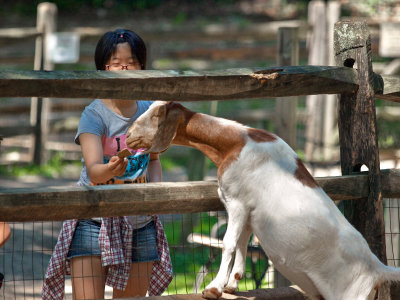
(267, 190)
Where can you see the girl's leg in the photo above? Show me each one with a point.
(138, 282)
(87, 277)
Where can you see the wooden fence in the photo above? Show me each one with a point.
(264, 32)
(47, 24)
(356, 86)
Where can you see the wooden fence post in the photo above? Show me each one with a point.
(317, 43)
(321, 130)
(40, 108)
(330, 129)
(358, 135)
(286, 107)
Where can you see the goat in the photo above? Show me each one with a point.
(267, 190)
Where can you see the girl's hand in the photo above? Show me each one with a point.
(117, 166)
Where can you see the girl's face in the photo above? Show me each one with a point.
(123, 59)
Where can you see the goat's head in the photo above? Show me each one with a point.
(155, 129)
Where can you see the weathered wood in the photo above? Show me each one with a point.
(317, 41)
(330, 126)
(226, 84)
(209, 32)
(387, 87)
(358, 135)
(286, 107)
(19, 33)
(58, 203)
(16, 130)
(259, 52)
(40, 107)
(321, 127)
(180, 86)
(284, 293)
(66, 202)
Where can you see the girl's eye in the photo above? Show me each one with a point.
(134, 63)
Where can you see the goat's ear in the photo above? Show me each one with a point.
(169, 119)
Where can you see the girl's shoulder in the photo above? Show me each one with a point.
(95, 105)
(97, 108)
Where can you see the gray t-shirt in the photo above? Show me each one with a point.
(111, 127)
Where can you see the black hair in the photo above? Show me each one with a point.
(106, 47)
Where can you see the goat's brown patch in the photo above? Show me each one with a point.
(238, 277)
(304, 176)
(257, 135)
(376, 289)
(211, 293)
(230, 158)
(261, 136)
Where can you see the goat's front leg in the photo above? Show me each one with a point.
(240, 260)
(237, 219)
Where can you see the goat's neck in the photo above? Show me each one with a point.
(217, 138)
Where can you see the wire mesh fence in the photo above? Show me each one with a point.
(195, 243)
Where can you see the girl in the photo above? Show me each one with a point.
(5, 233)
(123, 252)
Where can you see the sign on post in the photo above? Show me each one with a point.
(63, 47)
(389, 45)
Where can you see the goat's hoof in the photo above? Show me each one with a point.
(211, 293)
(229, 290)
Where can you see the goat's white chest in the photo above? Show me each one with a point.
(261, 169)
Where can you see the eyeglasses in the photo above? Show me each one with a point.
(132, 66)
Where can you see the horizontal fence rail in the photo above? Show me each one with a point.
(210, 32)
(285, 293)
(226, 84)
(61, 203)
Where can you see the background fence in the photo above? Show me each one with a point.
(210, 46)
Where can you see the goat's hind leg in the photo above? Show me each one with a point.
(237, 220)
(239, 266)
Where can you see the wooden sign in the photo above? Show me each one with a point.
(389, 45)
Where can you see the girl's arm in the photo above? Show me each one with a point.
(5, 233)
(154, 168)
(92, 152)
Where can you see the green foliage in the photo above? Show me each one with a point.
(167, 163)
(388, 134)
(51, 169)
(187, 259)
(179, 19)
